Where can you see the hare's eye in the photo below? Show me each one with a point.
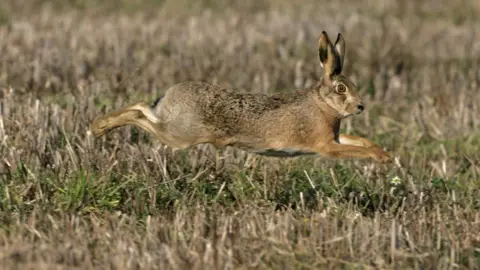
(341, 88)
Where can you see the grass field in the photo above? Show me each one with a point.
(69, 201)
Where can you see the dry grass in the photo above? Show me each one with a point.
(68, 201)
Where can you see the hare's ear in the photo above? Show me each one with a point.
(340, 48)
(328, 56)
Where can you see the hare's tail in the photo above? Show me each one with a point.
(156, 102)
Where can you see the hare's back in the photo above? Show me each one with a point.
(192, 100)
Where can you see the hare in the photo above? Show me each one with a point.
(304, 122)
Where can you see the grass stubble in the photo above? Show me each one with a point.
(124, 201)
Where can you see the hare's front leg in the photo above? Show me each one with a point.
(356, 140)
(337, 150)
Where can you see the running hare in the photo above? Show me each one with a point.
(286, 124)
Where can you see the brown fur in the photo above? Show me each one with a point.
(287, 124)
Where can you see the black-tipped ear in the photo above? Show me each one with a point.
(329, 58)
(323, 47)
(340, 48)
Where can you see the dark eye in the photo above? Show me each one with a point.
(341, 88)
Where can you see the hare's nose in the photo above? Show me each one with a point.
(360, 107)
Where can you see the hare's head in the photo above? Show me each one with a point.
(337, 90)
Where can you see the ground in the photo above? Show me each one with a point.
(69, 201)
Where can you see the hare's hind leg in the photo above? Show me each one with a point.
(125, 116)
(140, 115)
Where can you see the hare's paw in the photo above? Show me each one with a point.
(381, 156)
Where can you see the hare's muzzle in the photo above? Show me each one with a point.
(360, 108)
